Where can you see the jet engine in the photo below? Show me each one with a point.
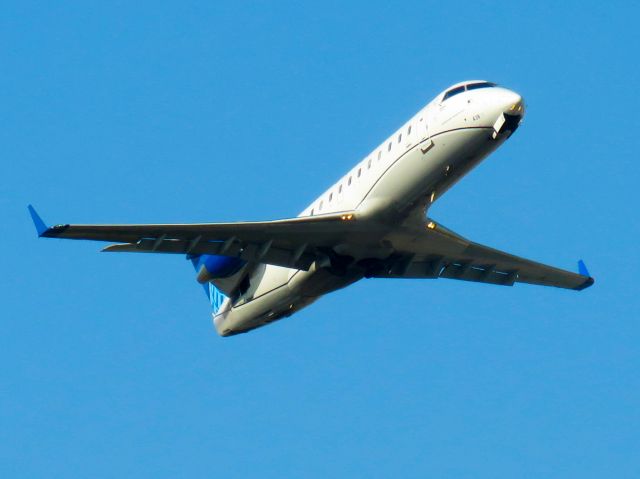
(210, 266)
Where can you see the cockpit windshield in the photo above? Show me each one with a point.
(476, 86)
(453, 92)
(470, 86)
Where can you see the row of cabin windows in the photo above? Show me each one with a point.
(399, 140)
(360, 171)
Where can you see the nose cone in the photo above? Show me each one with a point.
(500, 101)
(508, 109)
(513, 104)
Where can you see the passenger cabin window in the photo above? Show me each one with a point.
(389, 147)
(379, 155)
(359, 172)
(340, 189)
(369, 163)
(349, 181)
(409, 130)
(330, 196)
(399, 137)
(311, 211)
(320, 207)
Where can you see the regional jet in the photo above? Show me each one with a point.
(372, 223)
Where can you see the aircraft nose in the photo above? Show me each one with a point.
(511, 110)
(513, 104)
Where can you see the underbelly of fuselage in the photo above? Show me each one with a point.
(283, 292)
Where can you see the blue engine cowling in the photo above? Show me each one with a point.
(211, 266)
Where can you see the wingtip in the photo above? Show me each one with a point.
(589, 282)
(582, 269)
(40, 225)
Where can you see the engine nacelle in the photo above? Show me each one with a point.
(213, 266)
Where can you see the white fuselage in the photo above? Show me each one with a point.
(392, 185)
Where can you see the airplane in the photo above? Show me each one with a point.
(372, 223)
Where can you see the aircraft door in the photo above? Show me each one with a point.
(426, 128)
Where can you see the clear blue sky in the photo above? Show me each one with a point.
(183, 112)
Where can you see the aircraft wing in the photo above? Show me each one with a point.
(437, 252)
(294, 243)
(433, 252)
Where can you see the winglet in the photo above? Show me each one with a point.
(582, 269)
(41, 227)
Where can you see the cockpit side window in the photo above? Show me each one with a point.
(453, 92)
(475, 86)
